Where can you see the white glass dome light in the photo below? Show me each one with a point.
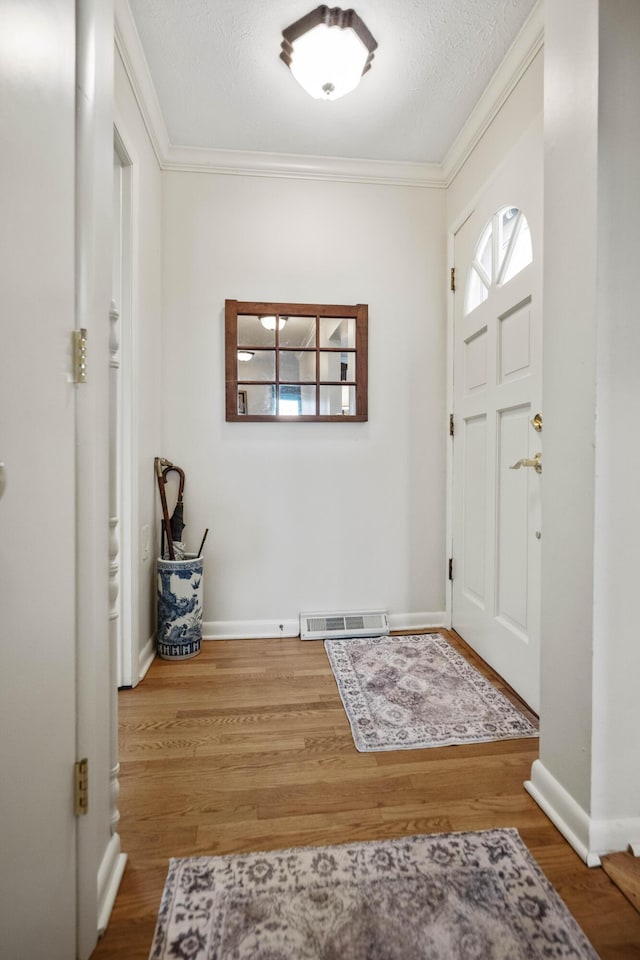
(269, 323)
(328, 62)
(328, 51)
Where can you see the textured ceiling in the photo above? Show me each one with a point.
(220, 83)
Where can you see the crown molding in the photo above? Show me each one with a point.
(302, 167)
(516, 61)
(299, 167)
(129, 47)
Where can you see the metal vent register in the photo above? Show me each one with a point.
(356, 623)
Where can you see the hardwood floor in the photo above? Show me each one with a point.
(247, 747)
(624, 870)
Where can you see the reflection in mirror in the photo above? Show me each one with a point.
(296, 400)
(298, 332)
(337, 366)
(257, 400)
(297, 365)
(251, 333)
(256, 365)
(338, 332)
(337, 400)
(270, 322)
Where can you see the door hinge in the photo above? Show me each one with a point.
(453, 278)
(451, 426)
(79, 355)
(450, 568)
(81, 788)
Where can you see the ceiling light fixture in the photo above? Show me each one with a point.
(328, 51)
(269, 323)
(245, 355)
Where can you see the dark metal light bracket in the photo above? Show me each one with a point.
(331, 17)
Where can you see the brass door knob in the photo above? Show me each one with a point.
(536, 423)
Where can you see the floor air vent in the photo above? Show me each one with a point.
(358, 623)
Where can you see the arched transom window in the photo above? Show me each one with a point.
(503, 250)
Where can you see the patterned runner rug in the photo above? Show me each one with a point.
(471, 896)
(403, 693)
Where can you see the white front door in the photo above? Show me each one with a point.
(37, 508)
(497, 393)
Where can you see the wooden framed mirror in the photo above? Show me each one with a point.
(295, 362)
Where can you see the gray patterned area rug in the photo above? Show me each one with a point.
(457, 896)
(403, 693)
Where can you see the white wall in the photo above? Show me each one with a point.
(147, 350)
(309, 516)
(616, 712)
(569, 393)
(588, 777)
(523, 106)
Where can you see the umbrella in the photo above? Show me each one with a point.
(176, 523)
(159, 463)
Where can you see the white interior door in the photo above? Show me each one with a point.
(37, 508)
(497, 393)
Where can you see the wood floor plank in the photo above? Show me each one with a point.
(458, 753)
(624, 869)
(247, 747)
(284, 832)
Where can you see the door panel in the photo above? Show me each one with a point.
(497, 391)
(475, 361)
(514, 343)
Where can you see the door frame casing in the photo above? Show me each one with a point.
(452, 230)
(129, 673)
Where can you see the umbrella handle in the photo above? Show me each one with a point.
(163, 501)
(159, 463)
(180, 473)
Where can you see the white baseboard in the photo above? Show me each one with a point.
(264, 629)
(563, 811)
(417, 621)
(146, 657)
(109, 877)
(249, 629)
(590, 838)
